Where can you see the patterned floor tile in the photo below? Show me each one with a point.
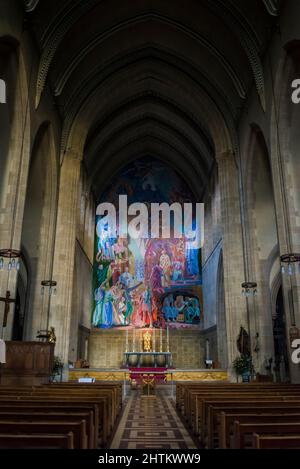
(151, 423)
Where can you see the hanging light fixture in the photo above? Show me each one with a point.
(249, 289)
(50, 285)
(13, 259)
(289, 263)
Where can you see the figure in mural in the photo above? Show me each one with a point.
(103, 271)
(115, 272)
(139, 269)
(134, 280)
(177, 274)
(126, 278)
(105, 241)
(166, 265)
(119, 304)
(103, 314)
(128, 292)
(178, 253)
(147, 319)
(120, 251)
(179, 303)
(155, 280)
(169, 310)
(192, 311)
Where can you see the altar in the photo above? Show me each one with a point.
(148, 359)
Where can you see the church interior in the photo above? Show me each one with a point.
(116, 341)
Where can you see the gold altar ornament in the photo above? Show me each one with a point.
(147, 342)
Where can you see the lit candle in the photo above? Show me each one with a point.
(168, 339)
(160, 340)
(153, 345)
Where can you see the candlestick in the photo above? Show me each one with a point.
(133, 340)
(153, 345)
(160, 340)
(168, 339)
(126, 341)
(207, 349)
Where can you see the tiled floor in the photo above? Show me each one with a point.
(151, 422)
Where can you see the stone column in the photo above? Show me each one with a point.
(289, 241)
(233, 259)
(64, 257)
(12, 197)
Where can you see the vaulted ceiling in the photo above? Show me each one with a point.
(153, 74)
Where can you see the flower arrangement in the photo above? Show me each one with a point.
(241, 364)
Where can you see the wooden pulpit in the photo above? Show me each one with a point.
(27, 363)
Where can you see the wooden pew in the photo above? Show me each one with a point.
(101, 404)
(195, 396)
(263, 414)
(108, 393)
(48, 406)
(206, 418)
(183, 388)
(275, 442)
(117, 386)
(202, 403)
(242, 430)
(98, 405)
(33, 415)
(42, 441)
(16, 426)
(192, 398)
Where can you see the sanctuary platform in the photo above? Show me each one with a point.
(104, 374)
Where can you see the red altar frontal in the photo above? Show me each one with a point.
(159, 375)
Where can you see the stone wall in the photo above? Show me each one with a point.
(81, 302)
(210, 287)
(106, 347)
(212, 336)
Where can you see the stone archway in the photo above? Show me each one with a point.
(261, 240)
(285, 167)
(39, 228)
(8, 75)
(14, 148)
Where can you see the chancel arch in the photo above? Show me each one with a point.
(150, 102)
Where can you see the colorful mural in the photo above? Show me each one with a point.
(146, 282)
